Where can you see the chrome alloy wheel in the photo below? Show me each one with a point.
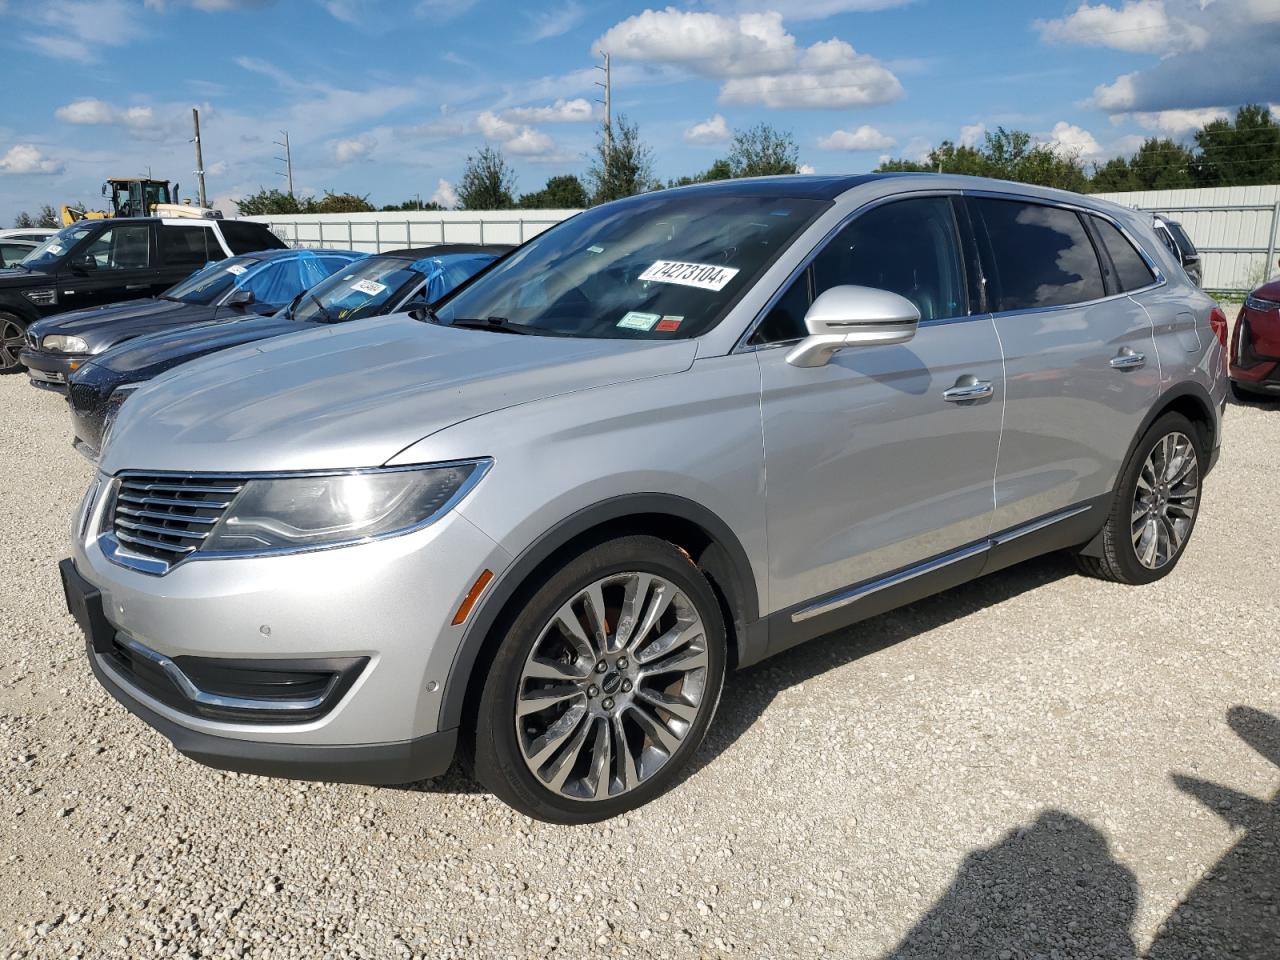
(612, 686)
(1165, 500)
(11, 342)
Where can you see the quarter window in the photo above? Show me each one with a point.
(1132, 271)
(1042, 256)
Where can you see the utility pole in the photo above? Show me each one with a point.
(287, 159)
(608, 111)
(195, 122)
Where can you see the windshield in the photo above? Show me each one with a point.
(362, 290)
(56, 246)
(660, 266)
(211, 282)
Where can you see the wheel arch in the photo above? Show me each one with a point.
(697, 531)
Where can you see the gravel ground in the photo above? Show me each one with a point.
(1034, 765)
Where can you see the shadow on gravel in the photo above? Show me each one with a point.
(749, 692)
(1053, 890)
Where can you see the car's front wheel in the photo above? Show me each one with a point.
(1154, 507)
(604, 685)
(12, 335)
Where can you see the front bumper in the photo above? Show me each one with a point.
(1255, 351)
(51, 370)
(389, 603)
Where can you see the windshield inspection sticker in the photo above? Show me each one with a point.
(236, 269)
(54, 248)
(669, 324)
(704, 276)
(371, 287)
(634, 320)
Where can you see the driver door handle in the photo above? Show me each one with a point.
(968, 388)
(136, 286)
(1127, 359)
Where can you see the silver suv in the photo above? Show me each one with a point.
(671, 436)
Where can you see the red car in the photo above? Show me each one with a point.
(1255, 345)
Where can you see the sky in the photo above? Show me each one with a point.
(389, 97)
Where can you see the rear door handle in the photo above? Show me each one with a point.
(136, 286)
(968, 388)
(1128, 360)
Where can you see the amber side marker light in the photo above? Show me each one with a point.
(472, 596)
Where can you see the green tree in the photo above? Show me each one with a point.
(720, 170)
(24, 219)
(623, 171)
(564, 192)
(488, 182)
(48, 217)
(340, 203)
(414, 203)
(1114, 176)
(267, 202)
(1240, 152)
(1163, 165)
(1005, 154)
(762, 151)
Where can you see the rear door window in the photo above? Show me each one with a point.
(1042, 256)
(188, 246)
(1132, 272)
(249, 237)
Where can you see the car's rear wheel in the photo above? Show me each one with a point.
(1154, 508)
(12, 336)
(604, 685)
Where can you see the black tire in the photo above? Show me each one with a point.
(13, 329)
(498, 759)
(1119, 561)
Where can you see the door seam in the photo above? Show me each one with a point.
(1004, 404)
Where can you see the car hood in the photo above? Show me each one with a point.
(22, 277)
(1269, 290)
(150, 355)
(103, 327)
(355, 395)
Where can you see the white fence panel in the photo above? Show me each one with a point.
(392, 230)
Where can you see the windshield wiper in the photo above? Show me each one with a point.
(500, 324)
(320, 306)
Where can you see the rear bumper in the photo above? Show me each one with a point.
(51, 370)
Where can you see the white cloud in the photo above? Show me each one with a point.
(445, 194)
(866, 137)
(805, 168)
(811, 10)
(28, 158)
(577, 110)
(1138, 26)
(91, 111)
(973, 134)
(79, 29)
(1117, 96)
(755, 56)
(554, 23)
(1071, 140)
(714, 130)
(515, 138)
(1175, 123)
(217, 168)
(352, 149)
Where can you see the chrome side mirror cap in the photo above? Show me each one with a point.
(849, 316)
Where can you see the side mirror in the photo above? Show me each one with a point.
(850, 316)
(240, 298)
(84, 265)
(417, 307)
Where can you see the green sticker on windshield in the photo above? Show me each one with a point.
(634, 320)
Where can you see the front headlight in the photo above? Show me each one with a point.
(283, 513)
(1257, 303)
(61, 344)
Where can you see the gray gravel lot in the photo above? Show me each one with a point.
(1034, 765)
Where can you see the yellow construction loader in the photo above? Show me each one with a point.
(137, 197)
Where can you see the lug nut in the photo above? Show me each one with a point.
(626, 686)
(593, 691)
(623, 664)
(607, 703)
(601, 667)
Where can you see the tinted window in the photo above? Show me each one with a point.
(1184, 241)
(1132, 271)
(58, 245)
(1043, 257)
(188, 246)
(247, 237)
(908, 247)
(209, 284)
(785, 319)
(11, 253)
(123, 247)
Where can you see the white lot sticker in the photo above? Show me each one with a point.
(55, 248)
(236, 269)
(371, 287)
(705, 276)
(634, 320)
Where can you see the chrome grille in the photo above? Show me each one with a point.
(168, 517)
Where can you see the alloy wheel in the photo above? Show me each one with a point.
(1165, 500)
(11, 341)
(612, 686)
